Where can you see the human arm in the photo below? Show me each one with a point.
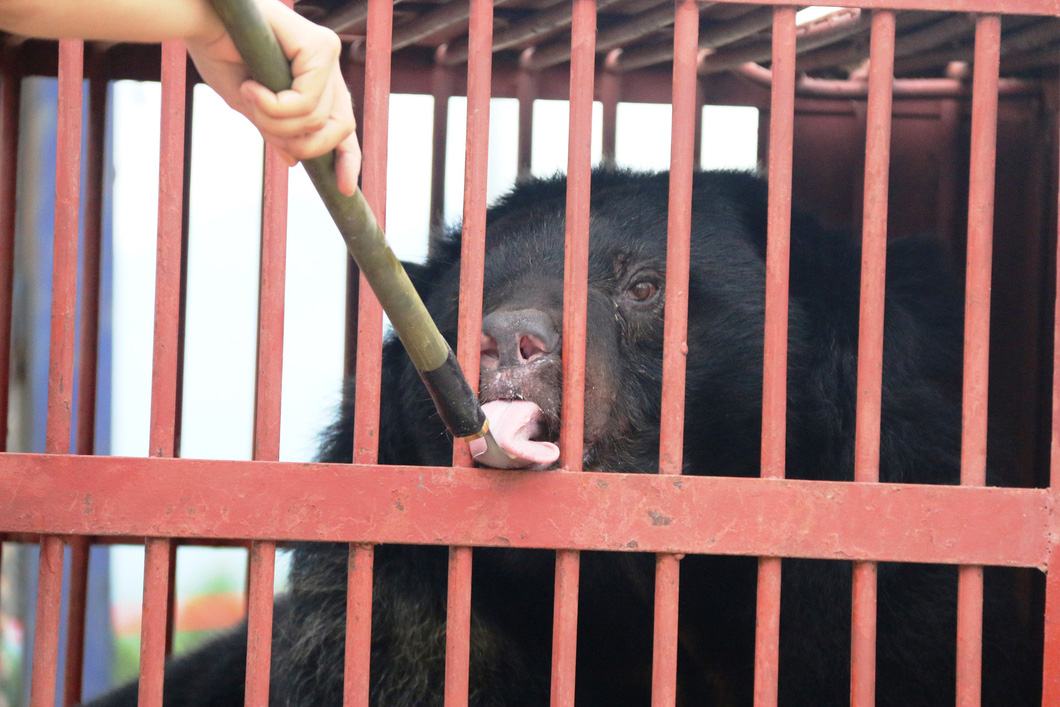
(311, 119)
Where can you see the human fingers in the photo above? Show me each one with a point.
(314, 53)
(348, 164)
(317, 143)
(257, 101)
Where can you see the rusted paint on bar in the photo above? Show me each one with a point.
(767, 631)
(469, 329)
(458, 627)
(575, 298)
(874, 250)
(781, 118)
(664, 657)
(259, 621)
(969, 635)
(526, 93)
(675, 330)
(863, 636)
(977, 337)
(10, 99)
(565, 627)
(64, 254)
(576, 263)
(1051, 658)
(870, 340)
(610, 90)
(443, 506)
(980, 246)
(90, 269)
(441, 90)
(376, 107)
(373, 179)
(84, 439)
(774, 377)
(356, 682)
(77, 593)
(168, 262)
(270, 309)
(262, 556)
(46, 631)
(675, 326)
(156, 626)
(153, 622)
(61, 354)
(476, 162)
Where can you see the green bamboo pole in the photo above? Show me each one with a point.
(457, 404)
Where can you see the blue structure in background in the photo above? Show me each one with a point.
(33, 285)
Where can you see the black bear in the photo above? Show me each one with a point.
(512, 589)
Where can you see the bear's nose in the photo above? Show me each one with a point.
(515, 338)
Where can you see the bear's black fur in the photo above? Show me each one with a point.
(512, 589)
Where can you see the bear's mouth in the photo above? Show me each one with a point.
(521, 428)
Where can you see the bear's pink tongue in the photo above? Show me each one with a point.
(513, 424)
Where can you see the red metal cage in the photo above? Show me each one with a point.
(888, 140)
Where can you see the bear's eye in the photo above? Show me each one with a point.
(643, 291)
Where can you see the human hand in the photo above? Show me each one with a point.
(312, 118)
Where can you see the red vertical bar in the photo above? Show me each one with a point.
(469, 333)
(262, 557)
(441, 89)
(369, 341)
(1051, 658)
(64, 258)
(168, 261)
(610, 92)
(353, 71)
(75, 621)
(61, 354)
(1051, 662)
(774, 387)
(575, 298)
(259, 621)
(977, 337)
(46, 633)
(458, 627)
(153, 628)
(870, 341)
(370, 313)
(565, 627)
(526, 93)
(89, 356)
(159, 551)
(89, 351)
(358, 624)
(10, 94)
(675, 329)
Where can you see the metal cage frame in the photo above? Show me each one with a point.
(61, 498)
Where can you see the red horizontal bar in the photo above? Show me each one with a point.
(1006, 7)
(443, 506)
